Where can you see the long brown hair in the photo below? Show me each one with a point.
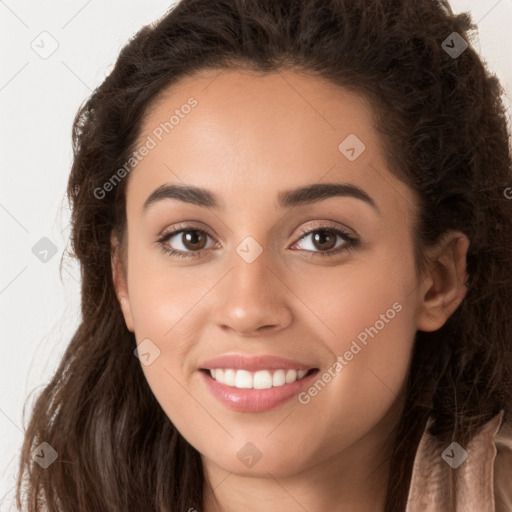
(446, 135)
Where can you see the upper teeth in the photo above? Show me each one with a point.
(262, 379)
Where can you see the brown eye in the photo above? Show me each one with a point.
(324, 239)
(183, 243)
(193, 240)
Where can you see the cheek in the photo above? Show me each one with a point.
(342, 302)
(166, 305)
(164, 308)
(368, 325)
(370, 315)
(161, 293)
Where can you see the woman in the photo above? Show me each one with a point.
(294, 231)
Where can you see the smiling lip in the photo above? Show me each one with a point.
(253, 363)
(254, 400)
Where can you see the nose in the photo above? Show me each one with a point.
(252, 298)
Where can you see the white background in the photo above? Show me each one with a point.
(38, 100)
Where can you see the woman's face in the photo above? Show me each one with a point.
(271, 265)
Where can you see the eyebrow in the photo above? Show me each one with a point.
(286, 199)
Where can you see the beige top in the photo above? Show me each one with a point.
(479, 475)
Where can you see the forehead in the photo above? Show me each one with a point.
(231, 130)
(246, 104)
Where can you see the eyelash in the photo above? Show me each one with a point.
(351, 240)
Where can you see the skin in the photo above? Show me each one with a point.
(249, 138)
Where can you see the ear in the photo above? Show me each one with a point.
(444, 287)
(120, 281)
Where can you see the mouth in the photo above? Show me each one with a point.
(256, 391)
(261, 379)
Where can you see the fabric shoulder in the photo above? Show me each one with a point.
(503, 468)
(447, 477)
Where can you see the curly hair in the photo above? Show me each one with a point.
(446, 136)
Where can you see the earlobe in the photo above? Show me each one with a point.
(120, 284)
(444, 288)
